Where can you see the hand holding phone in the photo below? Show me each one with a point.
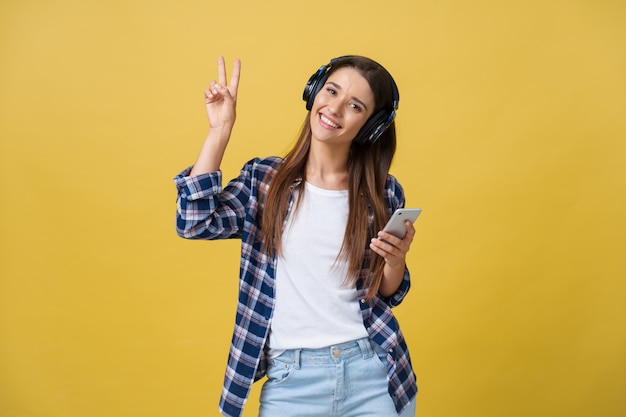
(395, 225)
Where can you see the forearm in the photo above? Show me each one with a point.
(392, 278)
(212, 151)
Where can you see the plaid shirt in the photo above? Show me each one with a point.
(206, 211)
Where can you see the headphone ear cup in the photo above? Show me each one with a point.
(314, 85)
(373, 128)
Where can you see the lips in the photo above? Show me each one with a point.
(326, 122)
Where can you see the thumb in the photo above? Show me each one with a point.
(229, 99)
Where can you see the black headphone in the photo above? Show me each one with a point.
(376, 124)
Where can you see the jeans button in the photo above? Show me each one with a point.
(336, 353)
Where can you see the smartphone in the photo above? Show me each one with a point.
(395, 225)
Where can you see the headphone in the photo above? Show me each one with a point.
(376, 124)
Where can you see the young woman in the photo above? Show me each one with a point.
(318, 277)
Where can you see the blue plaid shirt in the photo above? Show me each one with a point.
(206, 211)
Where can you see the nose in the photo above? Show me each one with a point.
(334, 105)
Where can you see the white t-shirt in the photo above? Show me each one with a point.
(314, 308)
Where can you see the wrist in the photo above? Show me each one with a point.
(397, 265)
(219, 134)
(221, 130)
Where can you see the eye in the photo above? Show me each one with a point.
(356, 107)
(331, 91)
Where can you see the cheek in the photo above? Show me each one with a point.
(318, 102)
(357, 122)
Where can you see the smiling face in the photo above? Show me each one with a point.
(341, 107)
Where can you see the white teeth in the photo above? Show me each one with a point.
(328, 121)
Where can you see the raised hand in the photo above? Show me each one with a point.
(221, 98)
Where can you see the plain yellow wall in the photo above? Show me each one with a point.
(512, 135)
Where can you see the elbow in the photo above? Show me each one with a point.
(189, 234)
(183, 233)
(185, 229)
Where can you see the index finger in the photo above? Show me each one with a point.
(410, 230)
(234, 79)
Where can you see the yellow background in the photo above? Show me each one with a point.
(512, 135)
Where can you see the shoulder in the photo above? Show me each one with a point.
(267, 163)
(393, 185)
(258, 173)
(262, 167)
(394, 193)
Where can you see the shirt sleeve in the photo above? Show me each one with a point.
(205, 210)
(402, 290)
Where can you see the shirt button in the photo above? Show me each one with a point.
(336, 353)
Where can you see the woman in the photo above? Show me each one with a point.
(318, 278)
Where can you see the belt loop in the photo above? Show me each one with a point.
(366, 347)
(296, 358)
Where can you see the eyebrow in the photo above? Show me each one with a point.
(338, 87)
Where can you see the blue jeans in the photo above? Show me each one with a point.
(347, 380)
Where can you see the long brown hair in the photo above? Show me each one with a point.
(368, 167)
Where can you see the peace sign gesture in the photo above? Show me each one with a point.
(221, 99)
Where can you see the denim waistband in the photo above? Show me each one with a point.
(330, 354)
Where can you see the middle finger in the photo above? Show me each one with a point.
(221, 70)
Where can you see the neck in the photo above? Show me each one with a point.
(327, 167)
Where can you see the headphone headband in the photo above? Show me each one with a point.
(376, 124)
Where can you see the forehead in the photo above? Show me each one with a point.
(351, 81)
